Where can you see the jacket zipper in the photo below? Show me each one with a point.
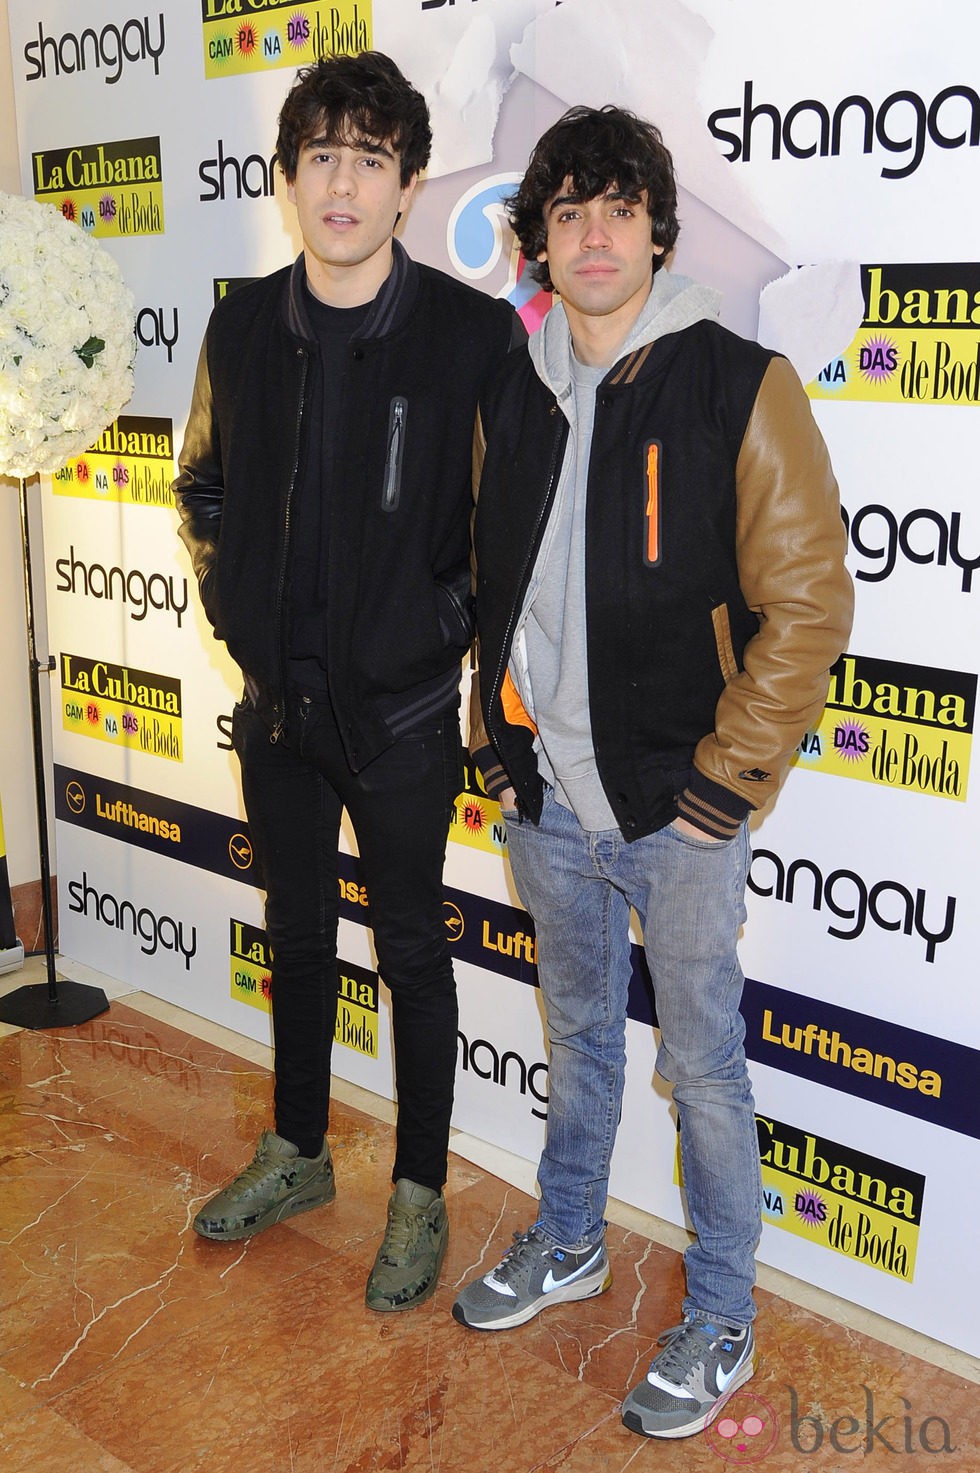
(553, 468)
(276, 732)
(396, 445)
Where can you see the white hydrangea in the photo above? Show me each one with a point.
(66, 338)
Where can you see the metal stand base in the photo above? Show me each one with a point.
(60, 1003)
(32, 1006)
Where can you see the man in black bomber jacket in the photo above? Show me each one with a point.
(660, 595)
(324, 492)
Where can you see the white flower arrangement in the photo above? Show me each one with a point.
(66, 338)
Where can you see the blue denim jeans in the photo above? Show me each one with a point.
(689, 895)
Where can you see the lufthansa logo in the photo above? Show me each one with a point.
(75, 796)
(240, 851)
(455, 925)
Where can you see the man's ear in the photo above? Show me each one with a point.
(406, 195)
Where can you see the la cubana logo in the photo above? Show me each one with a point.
(901, 726)
(132, 461)
(251, 965)
(109, 189)
(919, 342)
(259, 35)
(840, 1198)
(857, 1205)
(357, 995)
(132, 708)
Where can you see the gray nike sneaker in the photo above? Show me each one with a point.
(406, 1267)
(702, 1363)
(531, 1275)
(277, 1183)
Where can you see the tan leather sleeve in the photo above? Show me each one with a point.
(790, 544)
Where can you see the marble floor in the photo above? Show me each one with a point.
(129, 1345)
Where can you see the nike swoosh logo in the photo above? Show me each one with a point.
(550, 1282)
(723, 1378)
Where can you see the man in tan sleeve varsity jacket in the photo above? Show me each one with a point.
(660, 595)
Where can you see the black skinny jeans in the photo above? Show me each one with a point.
(400, 804)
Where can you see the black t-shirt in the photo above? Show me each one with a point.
(333, 328)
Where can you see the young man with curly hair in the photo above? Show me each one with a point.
(324, 492)
(660, 595)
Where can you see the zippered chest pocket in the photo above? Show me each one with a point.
(397, 421)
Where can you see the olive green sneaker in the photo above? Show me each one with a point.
(276, 1184)
(406, 1269)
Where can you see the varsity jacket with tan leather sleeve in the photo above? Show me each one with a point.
(716, 593)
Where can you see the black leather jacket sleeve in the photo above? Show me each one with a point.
(199, 487)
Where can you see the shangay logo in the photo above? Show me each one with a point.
(226, 176)
(902, 726)
(152, 329)
(919, 341)
(900, 125)
(154, 933)
(923, 536)
(109, 189)
(506, 1068)
(852, 902)
(118, 704)
(132, 461)
(135, 590)
(106, 51)
(258, 35)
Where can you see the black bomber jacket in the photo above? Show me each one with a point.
(399, 618)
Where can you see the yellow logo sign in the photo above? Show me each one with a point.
(902, 726)
(476, 820)
(867, 1209)
(128, 707)
(258, 35)
(919, 342)
(357, 1009)
(132, 462)
(109, 189)
(251, 964)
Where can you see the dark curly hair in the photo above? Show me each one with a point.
(351, 98)
(597, 149)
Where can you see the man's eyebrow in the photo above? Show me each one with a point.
(561, 200)
(360, 145)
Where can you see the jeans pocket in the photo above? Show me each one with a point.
(691, 842)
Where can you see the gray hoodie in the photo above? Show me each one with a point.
(549, 661)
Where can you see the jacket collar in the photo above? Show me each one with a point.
(674, 302)
(389, 309)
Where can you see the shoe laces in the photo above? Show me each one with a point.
(257, 1170)
(685, 1347)
(515, 1257)
(401, 1234)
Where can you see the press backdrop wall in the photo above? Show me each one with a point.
(828, 158)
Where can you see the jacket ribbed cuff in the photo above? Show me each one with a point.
(712, 808)
(492, 770)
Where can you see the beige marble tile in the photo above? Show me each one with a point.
(128, 1345)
